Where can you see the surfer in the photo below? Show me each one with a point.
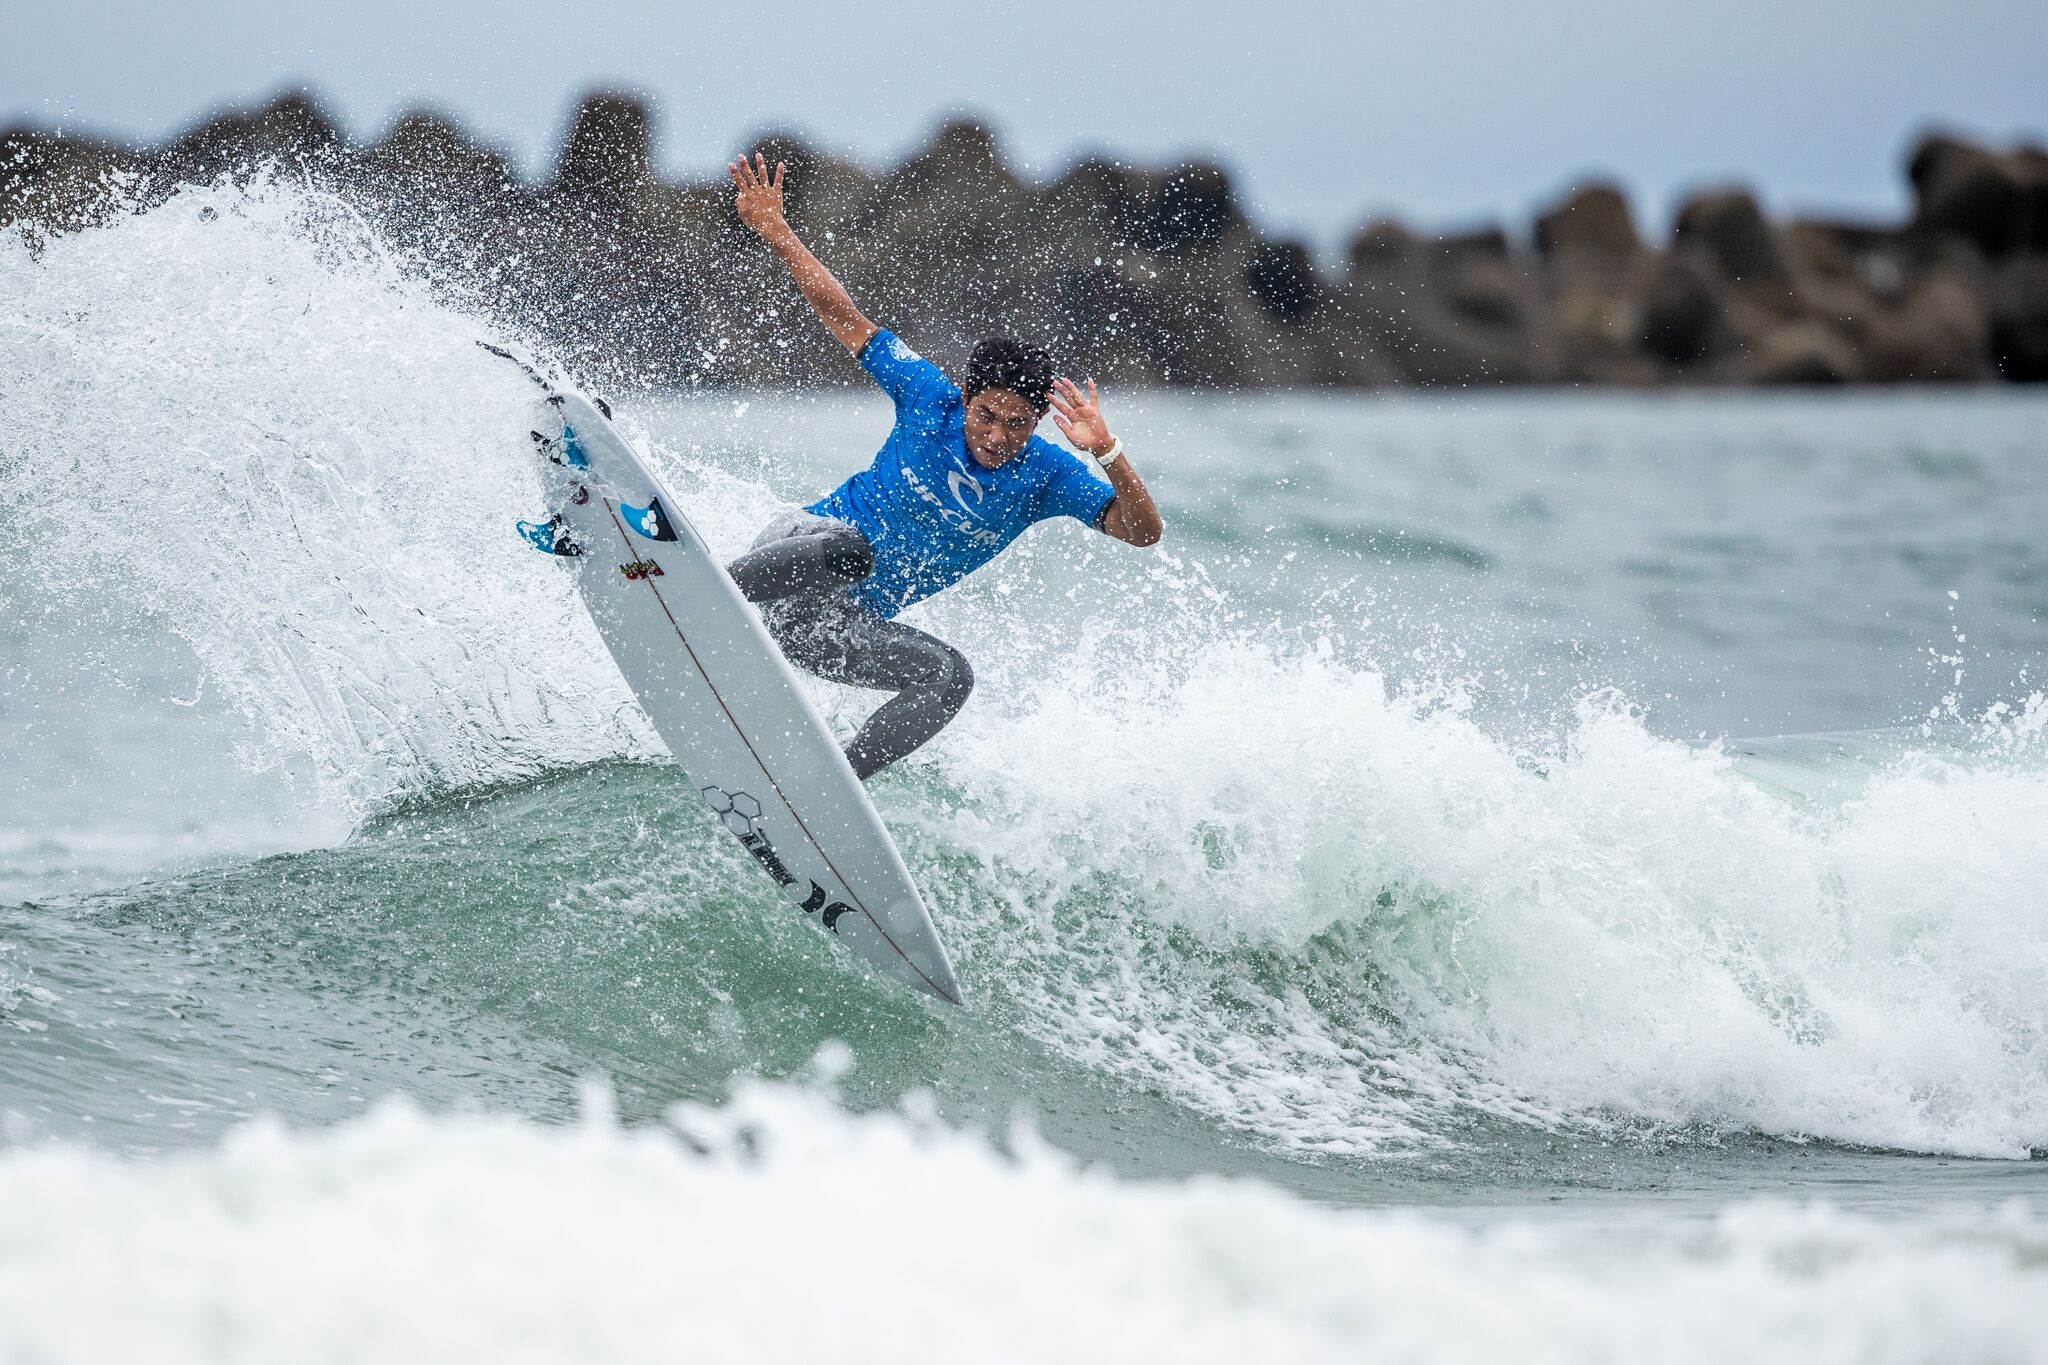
(960, 476)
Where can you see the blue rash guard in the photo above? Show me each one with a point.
(929, 509)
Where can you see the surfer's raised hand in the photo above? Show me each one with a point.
(758, 199)
(759, 195)
(1079, 417)
(1131, 515)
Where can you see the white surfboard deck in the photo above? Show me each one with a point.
(730, 709)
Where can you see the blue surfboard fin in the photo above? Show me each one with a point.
(650, 521)
(572, 450)
(567, 450)
(549, 537)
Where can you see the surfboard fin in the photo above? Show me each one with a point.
(563, 450)
(650, 521)
(550, 537)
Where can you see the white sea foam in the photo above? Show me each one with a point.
(784, 1229)
(236, 414)
(1623, 929)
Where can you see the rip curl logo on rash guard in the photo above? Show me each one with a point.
(932, 516)
(958, 482)
(963, 520)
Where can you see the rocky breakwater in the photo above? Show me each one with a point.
(1153, 276)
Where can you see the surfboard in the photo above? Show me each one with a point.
(723, 698)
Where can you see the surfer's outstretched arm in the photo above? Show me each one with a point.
(759, 201)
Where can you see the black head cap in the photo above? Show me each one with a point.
(1004, 363)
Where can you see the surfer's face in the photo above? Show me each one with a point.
(998, 424)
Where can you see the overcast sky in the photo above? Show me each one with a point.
(1444, 111)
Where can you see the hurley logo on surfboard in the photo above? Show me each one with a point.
(741, 814)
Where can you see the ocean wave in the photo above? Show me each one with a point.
(1238, 865)
(1342, 915)
(777, 1227)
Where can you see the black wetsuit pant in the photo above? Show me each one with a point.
(798, 573)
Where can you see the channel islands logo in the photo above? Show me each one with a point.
(741, 813)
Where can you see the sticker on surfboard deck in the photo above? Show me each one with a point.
(741, 813)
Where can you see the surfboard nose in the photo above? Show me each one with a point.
(921, 957)
(944, 984)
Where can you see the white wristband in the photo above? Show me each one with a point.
(1110, 456)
